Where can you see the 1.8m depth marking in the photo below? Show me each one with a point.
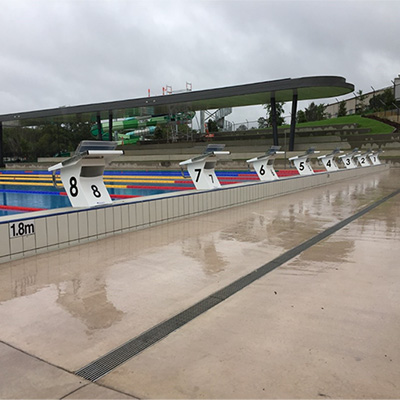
(22, 228)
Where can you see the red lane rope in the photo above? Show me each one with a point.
(158, 187)
(18, 208)
(113, 196)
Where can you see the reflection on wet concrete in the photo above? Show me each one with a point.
(89, 304)
(205, 252)
(95, 296)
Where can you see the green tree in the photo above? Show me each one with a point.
(45, 140)
(315, 112)
(279, 112)
(360, 102)
(301, 117)
(383, 101)
(212, 126)
(312, 113)
(262, 123)
(342, 109)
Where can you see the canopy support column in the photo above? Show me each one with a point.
(110, 126)
(202, 122)
(293, 122)
(99, 132)
(274, 123)
(2, 165)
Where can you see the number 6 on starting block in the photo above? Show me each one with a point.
(264, 165)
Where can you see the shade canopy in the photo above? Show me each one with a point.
(307, 88)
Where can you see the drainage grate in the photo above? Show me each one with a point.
(118, 356)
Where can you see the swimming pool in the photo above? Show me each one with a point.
(25, 191)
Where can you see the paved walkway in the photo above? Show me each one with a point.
(325, 324)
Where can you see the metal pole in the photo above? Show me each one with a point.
(99, 134)
(202, 122)
(110, 126)
(293, 122)
(2, 165)
(274, 124)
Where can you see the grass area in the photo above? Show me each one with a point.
(375, 126)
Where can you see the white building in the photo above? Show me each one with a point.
(356, 102)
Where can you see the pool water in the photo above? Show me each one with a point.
(24, 191)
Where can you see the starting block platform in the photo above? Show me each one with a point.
(302, 162)
(82, 174)
(374, 157)
(264, 164)
(202, 168)
(349, 159)
(328, 160)
(363, 159)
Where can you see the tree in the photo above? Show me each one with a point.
(212, 126)
(262, 123)
(312, 113)
(46, 140)
(360, 102)
(279, 111)
(383, 101)
(301, 117)
(342, 109)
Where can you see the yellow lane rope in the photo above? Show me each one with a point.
(50, 184)
(145, 180)
(128, 178)
(36, 183)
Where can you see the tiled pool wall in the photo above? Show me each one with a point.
(38, 232)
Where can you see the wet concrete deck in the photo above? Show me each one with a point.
(323, 325)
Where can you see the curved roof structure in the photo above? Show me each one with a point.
(314, 87)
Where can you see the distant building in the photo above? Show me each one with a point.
(397, 88)
(354, 103)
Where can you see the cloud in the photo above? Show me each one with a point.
(67, 52)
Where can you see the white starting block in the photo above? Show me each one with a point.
(264, 165)
(82, 174)
(374, 157)
(348, 159)
(328, 160)
(201, 168)
(302, 163)
(363, 159)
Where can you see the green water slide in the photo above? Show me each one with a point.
(132, 124)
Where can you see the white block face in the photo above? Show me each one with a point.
(203, 175)
(349, 162)
(265, 169)
(374, 159)
(363, 160)
(329, 163)
(83, 191)
(303, 166)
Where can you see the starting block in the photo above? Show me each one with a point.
(363, 159)
(348, 159)
(264, 164)
(202, 168)
(302, 163)
(82, 174)
(374, 157)
(328, 160)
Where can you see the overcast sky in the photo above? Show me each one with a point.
(70, 52)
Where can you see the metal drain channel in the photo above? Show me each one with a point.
(105, 364)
